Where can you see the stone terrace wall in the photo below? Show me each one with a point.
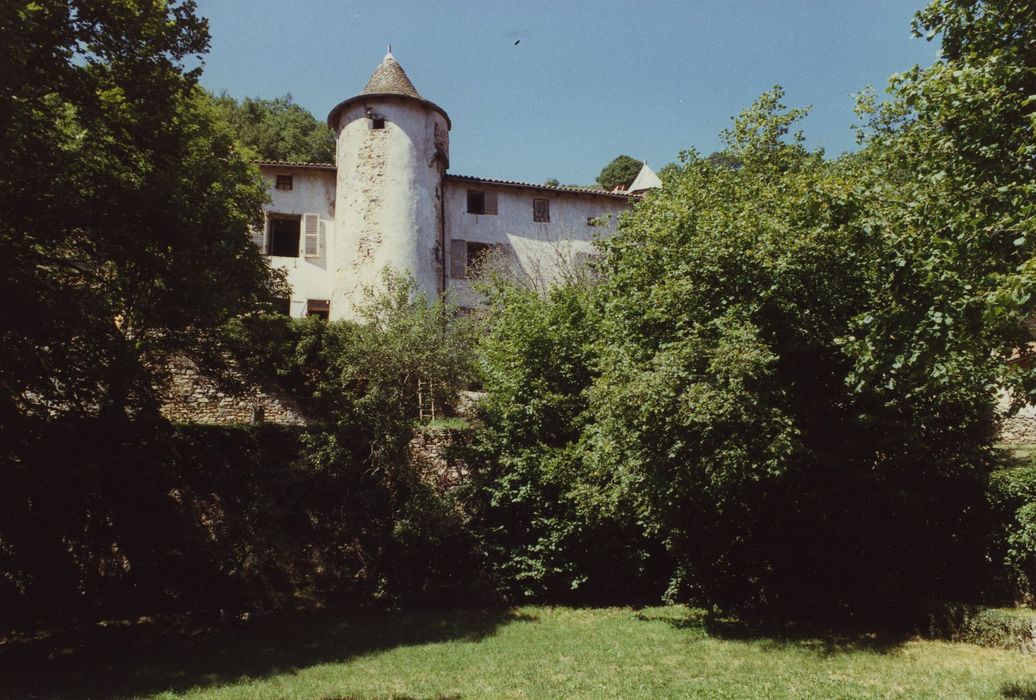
(192, 398)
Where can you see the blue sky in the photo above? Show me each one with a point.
(586, 80)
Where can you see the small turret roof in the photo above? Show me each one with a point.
(646, 180)
(389, 78)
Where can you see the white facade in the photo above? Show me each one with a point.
(391, 204)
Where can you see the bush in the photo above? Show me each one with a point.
(553, 527)
(1012, 496)
(1002, 628)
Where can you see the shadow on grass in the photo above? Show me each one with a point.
(1020, 691)
(823, 640)
(131, 660)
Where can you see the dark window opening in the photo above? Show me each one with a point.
(284, 182)
(541, 210)
(476, 202)
(282, 306)
(321, 308)
(377, 122)
(284, 238)
(477, 253)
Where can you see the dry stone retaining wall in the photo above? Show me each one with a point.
(192, 398)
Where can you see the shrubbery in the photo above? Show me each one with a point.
(552, 526)
(1012, 496)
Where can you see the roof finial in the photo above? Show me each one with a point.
(389, 54)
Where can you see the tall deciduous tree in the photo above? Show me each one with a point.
(126, 207)
(621, 171)
(278, 129)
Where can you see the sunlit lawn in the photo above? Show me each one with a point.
(530, 652)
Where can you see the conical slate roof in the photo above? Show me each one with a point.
(389, 78)
(389, 81)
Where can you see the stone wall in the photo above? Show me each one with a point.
(192, 398)
(1018, 428)
(430, 449)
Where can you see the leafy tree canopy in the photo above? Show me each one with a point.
(126, 209)
(277, 129)
(621, 171)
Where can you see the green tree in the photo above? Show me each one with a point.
(361, 379)
(735, 397)
(622, 170)
(126, 210)
(552, 528)
(278, 129)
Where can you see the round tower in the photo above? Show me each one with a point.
(392, 152)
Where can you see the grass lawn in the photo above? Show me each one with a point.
(531, 652)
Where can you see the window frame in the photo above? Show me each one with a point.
(271, 222)
(321, 308)
(541, 210)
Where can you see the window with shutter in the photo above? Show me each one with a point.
(480, 202)
(311, 239)
(541, 210)
(321, 308)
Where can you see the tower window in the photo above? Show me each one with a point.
(377, 122)
(541, 210)
(284, 237)
(284, 182)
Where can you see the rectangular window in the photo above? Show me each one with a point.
(321, 308)
(283, 240)
(480, 202)
(541, 210)
(284, 182)
(282, 306)
(377, 122)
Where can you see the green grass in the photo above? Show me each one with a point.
(451, 423)
(532, 652)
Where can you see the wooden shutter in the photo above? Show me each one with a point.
(490, 202)
(458, 258)
(311, 235)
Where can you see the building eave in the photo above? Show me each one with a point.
(332, 117)
(625, 196)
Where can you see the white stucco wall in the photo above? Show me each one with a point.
(539, 253)
(313, 192)
(388, 208)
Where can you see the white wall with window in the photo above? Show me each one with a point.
(298, 231)
(538, 232)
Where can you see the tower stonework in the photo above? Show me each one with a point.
(392, 152)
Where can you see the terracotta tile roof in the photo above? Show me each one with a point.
(389, 78)
(514, 183)
(294, 164)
